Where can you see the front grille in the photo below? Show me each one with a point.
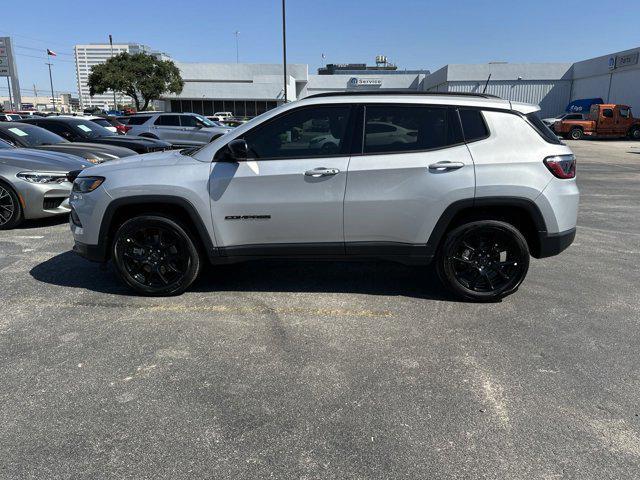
(52, 203)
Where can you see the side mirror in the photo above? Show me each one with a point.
(236, 150)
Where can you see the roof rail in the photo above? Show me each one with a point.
(401, 92)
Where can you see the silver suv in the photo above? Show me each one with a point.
(179, 129)
(475, 183)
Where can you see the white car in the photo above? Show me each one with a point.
(221, 116)
(549, 122)
(472, 182)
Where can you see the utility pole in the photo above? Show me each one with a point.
(284, 48)
(115, 104)
(10, 97)
(237, 34)
(35, 90)
(53, 98)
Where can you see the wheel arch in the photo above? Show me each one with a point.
(149, 135)
(177, 208)
(520, 212)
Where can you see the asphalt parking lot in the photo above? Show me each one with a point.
(329, 370)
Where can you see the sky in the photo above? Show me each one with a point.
(411, 33)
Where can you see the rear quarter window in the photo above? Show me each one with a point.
(540, 127)
(473, 125)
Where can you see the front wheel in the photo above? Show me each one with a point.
(635, 133)
(10, 208)
(155, 256)
(483, 261)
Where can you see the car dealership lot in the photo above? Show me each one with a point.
(329, 370)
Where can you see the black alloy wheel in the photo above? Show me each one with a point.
(10, 208)
(155, 255)
(484, 261)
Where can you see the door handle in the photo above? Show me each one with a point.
(445, 166)
(321, 172)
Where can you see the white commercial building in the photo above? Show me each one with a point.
(250, 89)
(94, 54)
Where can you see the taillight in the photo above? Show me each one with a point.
(562, 166)
(123, 128)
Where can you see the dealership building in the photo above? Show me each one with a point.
(250, 89)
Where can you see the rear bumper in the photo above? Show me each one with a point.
(553, 243)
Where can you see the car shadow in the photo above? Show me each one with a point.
(43, 222)
(371, 278)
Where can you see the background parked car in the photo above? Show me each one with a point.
(564, 116)
(32, 136)
(179, 129)
(222, 116)
(79, 130)
(34, 184)
(10, 117)
(103, 122)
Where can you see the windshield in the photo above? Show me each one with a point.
(91, 130)
(32, 136)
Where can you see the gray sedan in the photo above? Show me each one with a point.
(34, 184)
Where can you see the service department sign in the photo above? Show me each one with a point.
(623, 60)
(365, 82)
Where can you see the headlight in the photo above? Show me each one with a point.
(43, 177)
(87, 184)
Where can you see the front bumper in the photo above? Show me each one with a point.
(41, 200)
(95, 253)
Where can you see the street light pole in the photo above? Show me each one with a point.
(115, 104)
(237, 34)
(284, 48)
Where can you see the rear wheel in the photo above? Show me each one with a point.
(10, 208)
(155, 255)
(484, 261)
(576, 134)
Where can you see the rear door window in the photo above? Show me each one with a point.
(406, 128)
(134, 120)
(188, 121)
(167, 121)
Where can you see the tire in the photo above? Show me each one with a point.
(634, 134)
(155, 255)
(11, 214)
(576, 133)
(483, 261)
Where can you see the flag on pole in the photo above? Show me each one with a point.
(51, 53)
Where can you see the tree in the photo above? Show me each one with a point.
(141, 76)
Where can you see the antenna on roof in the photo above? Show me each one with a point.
(484, 90)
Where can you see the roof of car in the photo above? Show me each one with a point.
(441, 98)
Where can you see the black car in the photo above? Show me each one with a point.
(80, 130)
(32, 136)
